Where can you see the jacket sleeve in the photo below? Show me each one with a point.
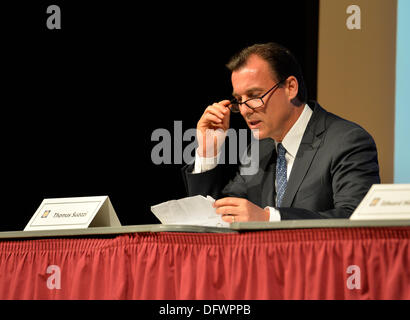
(211, 182)
(354, 169)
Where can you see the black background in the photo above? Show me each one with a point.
(79, 104)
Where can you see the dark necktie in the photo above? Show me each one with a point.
(281, 174)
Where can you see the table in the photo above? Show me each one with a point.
(306, 259)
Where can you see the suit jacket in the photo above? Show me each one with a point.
(335, 166)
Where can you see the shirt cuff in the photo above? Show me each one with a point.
(203, 164)
(274, 214)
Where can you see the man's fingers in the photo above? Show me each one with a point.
(224, 102)
(217, 110)
(213, 118)
(231, 218)
(228, 201)
(220, 107)
(214, 114)
(231, 210)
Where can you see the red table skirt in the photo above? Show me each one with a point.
(334, 263)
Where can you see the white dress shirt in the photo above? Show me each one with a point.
(290, 142)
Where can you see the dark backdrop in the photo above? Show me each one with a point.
(80, 104)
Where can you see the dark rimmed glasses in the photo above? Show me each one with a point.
(252, 103)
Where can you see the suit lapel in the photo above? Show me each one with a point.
(307, 150)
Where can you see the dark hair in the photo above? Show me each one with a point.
(282, 61)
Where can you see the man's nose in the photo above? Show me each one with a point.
(245, 110)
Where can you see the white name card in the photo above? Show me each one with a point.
(384, 201)
(74, 213)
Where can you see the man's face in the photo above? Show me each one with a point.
(253, 80)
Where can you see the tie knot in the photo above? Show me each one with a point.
(281, 150)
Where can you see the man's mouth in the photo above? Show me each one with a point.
(254, 123)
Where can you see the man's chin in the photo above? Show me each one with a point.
(257, 134)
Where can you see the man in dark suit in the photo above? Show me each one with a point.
(311, 163)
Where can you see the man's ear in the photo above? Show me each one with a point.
(292, 89)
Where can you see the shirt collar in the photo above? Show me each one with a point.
(293, 138)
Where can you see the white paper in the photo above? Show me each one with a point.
(196, 210)
(384, 202)
(73, 213)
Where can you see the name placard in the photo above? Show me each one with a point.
(74, 213)
(384, 201)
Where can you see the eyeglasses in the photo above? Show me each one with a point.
(252, 103)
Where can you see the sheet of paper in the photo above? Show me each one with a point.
(196, 210)
(73, 213)
(384, 202)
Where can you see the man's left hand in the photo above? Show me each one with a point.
(240, 210)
